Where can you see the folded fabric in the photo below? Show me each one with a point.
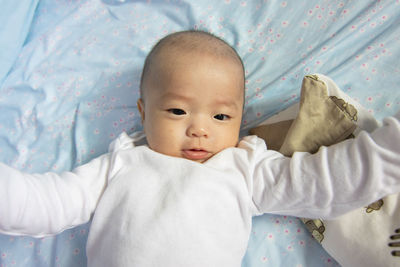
(325, 116)
(16, 20)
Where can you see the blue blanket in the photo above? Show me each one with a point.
(69, 78)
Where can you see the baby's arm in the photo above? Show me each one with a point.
(44, 204)
(333, 181)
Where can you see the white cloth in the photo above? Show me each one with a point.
(155, 210)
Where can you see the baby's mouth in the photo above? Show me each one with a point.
(196, 154)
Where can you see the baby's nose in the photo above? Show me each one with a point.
(197, 130)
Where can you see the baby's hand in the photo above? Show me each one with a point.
(396, 237)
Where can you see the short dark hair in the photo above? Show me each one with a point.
(189, 40)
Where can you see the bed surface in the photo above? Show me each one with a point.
(70, 70)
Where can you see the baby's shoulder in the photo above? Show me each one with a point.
(252, 142)
(125, 141)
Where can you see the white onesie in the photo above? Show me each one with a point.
(154, 210)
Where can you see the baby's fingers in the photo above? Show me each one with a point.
(396, 237)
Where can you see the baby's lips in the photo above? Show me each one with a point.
(196, 154)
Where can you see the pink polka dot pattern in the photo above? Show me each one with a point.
(74, 83)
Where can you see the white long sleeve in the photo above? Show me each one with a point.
(45, 204)
(333, 181)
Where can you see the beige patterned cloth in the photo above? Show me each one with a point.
(325, 116)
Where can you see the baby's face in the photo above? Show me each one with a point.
(193, 106)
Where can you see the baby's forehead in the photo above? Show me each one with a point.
(184, 72)
(193, 42)
(172, 57)
(184, 47)
(202, 47)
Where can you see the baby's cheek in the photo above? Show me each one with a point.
(227, 141)
(168, 139)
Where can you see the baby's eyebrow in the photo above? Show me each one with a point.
(168, 96)
(174, 96)
(227, 103)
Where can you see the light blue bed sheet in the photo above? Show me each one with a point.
(70, 77)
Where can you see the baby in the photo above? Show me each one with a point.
(187, 197)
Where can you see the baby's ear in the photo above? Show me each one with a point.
(140, 106)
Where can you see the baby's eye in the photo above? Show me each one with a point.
(176, 111)
(221, 117)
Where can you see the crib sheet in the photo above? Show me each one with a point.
(70, 73)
